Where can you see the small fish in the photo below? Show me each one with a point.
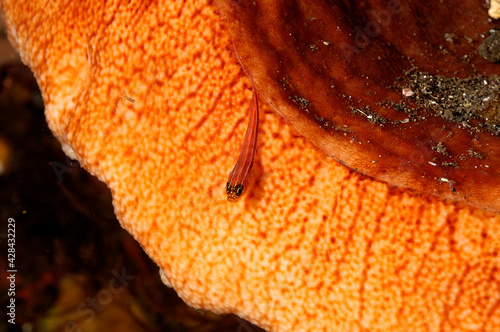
(237, 182)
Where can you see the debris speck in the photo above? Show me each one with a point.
(494, 11)
(303, 103)
(407, 92)
(490, 47)
(475, 154)
(440, 148)
(450, 37)
(450, 183)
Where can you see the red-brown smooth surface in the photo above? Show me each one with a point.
(335, 70)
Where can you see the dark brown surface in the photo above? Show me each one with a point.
(336, 70)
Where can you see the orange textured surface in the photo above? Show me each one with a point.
(149, 97)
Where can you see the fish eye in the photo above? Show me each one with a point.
(238, 189)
